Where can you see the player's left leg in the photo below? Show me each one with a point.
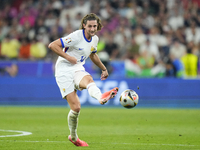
(83, 80)
(88, 83)
(94, 91)
(108, 95)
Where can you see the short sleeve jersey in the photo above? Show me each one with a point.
(76, 45)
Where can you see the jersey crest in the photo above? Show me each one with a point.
(93, 49)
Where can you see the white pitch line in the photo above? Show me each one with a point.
(153, 144)
(34, 141)
(23, 133)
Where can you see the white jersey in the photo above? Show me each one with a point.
(76, 45)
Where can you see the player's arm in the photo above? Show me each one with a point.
(95, 59)
(56, 46)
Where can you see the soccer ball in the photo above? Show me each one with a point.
(129, 98)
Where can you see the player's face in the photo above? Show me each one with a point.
(90, 28)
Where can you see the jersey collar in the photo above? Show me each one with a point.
(85, 37)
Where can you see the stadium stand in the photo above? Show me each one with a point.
(159, 23)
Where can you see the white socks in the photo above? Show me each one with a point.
(94, 91)
(73, 124)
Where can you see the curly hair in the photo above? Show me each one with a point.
(89, 17)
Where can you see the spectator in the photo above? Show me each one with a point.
(40, 27)
(112, 48)
(65, 21)
(146, 61)
(170, 70)
(177, 50)
(27, 31)
(24, 50)
(76, 21)
(10, 47)
(107, 11)
(190, 62)
(147, 20)
(5, 28)
(131, 62)
(37, 50)
(178, 68)
(156, 37)
(149, 53)
(193, 35)
(50, 19)
(82, 7)
(27, 17)
(140, 37)
(57, 6)
(176, 20)
(150, 49)
(55, 31)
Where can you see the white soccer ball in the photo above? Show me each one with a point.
(129, 98)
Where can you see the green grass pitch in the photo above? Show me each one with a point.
(102, 128)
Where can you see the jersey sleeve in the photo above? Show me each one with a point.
(94, 49)
(69, 40)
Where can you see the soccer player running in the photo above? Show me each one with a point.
(70, 74)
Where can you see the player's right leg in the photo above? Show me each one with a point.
(66, 86)
(78, 142)
(75, 106)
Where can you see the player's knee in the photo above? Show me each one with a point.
(75, 105)
(88, 79)
(77, 109)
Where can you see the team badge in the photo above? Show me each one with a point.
(68, 40)
(92, 48)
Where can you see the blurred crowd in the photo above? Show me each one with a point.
(153, 37)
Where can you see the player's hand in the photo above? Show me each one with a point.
(72, 59)
(104, 74)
